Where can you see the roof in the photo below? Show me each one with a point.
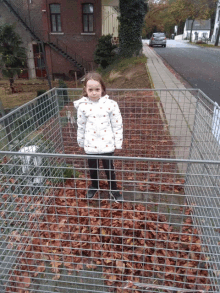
(199, 24)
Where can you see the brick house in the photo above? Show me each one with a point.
(65, 31)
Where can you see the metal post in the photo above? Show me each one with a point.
(53, 238)
(46, 67)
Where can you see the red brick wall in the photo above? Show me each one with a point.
(72, 39)
(58, 65)
(37, 15)
(30, 12)
(9, 18)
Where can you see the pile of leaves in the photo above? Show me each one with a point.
(128, 242)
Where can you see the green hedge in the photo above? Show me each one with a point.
(131, 21)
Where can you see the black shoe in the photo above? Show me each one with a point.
(91, 192)
(116, 196)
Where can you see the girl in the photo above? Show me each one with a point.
(99, 131)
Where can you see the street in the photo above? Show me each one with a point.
(199, 66)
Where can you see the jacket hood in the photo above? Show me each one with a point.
(84, 100)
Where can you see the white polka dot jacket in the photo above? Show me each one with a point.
(100, 128)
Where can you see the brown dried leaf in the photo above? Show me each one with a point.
(56, 277)
(62, 223)
(108, 260)
(91, 266)
(79, 267)
(55, 266)
(120, 265)
(27, 281)
(40, 268)
(112, 278)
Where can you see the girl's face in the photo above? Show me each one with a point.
(93, 89)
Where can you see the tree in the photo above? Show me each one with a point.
(12, 54)
(158, 18)
(218, 32)
(131, 19)
(103, 54)
(168, 13)
(199, 9)
(192, 9)
(217, 37)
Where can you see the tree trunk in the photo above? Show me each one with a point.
(217, 37)
(191, 30)
(11, 80)
(2, 111)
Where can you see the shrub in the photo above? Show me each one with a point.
(103, 54)
(13, 55)
(200, 42)
(62, 94)
(40, 92)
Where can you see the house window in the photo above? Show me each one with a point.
(88, 17)
(55, 18)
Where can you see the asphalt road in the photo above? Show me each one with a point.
(200, 67)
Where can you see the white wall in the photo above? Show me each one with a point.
(179, 37)
(109, 21)
(200, 34)
(110, 2)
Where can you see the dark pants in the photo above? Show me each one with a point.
(109, 171)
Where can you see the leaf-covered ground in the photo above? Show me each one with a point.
(145, 135)
(130, 243)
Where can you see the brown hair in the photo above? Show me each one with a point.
(97, 77)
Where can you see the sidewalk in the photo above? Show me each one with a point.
(184, 112)
(177, 105)
(160, 74)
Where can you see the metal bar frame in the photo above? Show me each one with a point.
(164, 236)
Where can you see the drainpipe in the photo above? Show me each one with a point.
(30, 62)
(46, 67)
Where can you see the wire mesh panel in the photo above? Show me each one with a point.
(157, 123)
(164, 236)
(32, 128)
(64, 242)
(203, 182)
(35, 123)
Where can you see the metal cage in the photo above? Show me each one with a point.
(164, 236)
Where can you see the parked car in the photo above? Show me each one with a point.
(158, 39)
